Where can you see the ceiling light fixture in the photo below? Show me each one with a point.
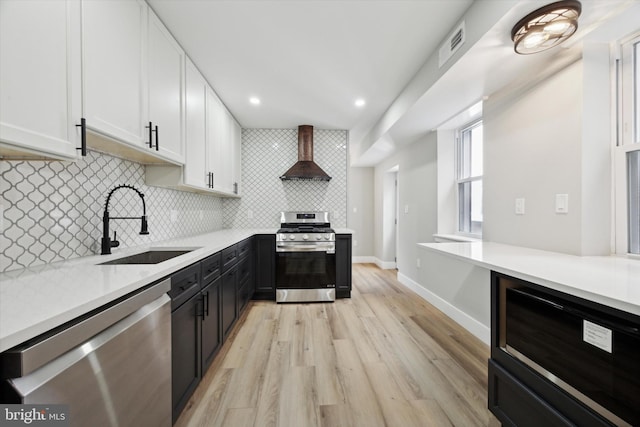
(254, 100)
(546, 27)
(360, 102)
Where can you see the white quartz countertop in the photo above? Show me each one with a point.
(35, 300)
(613, 281)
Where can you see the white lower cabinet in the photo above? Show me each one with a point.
(40, 79)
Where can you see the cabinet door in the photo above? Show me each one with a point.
(113, 38)
(166, 88)
(40, 77)
(215, 131)
(236, 143)
(185, 353)
(228, 304)
(265, 267)
(211, 329)
(195, 168)
(343, 265)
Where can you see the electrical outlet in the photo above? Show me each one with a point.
(406, 209)
(355, 243)
(418, 262)
(519, 207)
(249, 214)
(174, 215)
(201, 215)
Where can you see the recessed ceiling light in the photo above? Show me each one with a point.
(254, 100)
(360, 102)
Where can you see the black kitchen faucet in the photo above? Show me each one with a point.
(107, 244)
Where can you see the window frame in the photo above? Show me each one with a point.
(463, 210)
(627, 139)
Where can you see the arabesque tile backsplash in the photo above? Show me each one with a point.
(52, 211)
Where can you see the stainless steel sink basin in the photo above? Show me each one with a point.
(149, 257)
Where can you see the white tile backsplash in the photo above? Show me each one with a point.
(53, 210)
(266, 155)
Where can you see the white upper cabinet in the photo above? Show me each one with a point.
(166, 89)
(113, 37)
(133, 81)
(236, 142)
(40, 81)
(195, 168)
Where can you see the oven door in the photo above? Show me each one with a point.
(305, 275)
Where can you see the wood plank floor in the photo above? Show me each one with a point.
(384, 357)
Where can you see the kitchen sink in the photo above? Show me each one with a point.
(149, 257)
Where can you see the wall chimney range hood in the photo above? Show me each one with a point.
(305, 169)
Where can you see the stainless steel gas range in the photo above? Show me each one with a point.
(305, 258)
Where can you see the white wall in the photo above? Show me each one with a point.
(417, 190)
(552, 139)
(360, 211)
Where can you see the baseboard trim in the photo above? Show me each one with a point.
(385, 265)
(363, 260)
(481, 331)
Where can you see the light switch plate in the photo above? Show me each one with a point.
(562, 203)
(519, 206)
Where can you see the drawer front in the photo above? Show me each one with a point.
(211, 268)
(229, 257)
(184, 281)
(244, 270)
(244, 247)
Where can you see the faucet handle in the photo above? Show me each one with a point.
(114, 242)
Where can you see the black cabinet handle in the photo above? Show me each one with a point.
(206, 304)
(150, 127)
(235, 188)
(157, 139)
(83, 136)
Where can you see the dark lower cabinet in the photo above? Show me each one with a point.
(211, 328)
(206, 300)
(185, 355)
(265, 267)
(228, 304)
(343, 265)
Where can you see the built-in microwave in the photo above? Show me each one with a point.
(589, 351)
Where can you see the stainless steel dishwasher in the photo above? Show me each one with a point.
(112, 367)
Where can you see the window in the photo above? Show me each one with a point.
(628, 150)
(469, 179)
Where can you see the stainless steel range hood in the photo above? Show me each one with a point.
(305, 169)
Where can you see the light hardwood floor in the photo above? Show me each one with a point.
(384, 357)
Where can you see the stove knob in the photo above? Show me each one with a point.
(327, 236)
(292, 237)
(318, 236)
(305, 237)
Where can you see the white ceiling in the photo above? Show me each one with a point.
(309, 60)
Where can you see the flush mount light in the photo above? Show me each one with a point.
(546, 27)
(254, 100)
(360, 102)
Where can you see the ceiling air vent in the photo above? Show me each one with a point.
(452, 44)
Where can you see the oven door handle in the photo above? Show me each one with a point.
(305, 248)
